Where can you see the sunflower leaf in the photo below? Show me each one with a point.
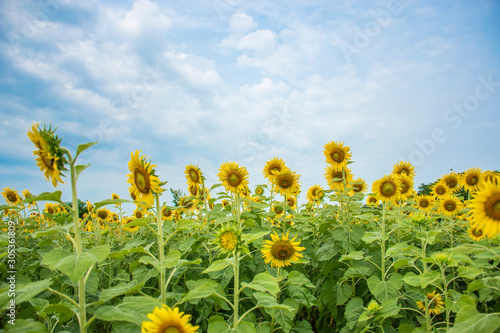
(482, 322)
(263, 282)
(252, 237)
(218, 265)
(45, 196)
(24, 292)
(109, 202)
(79, 169)
(84, 146)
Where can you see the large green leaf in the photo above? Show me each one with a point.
(45, 196)
(133, 309)
(120, 289)
(296, 277)
(429, 277)
(73, 265)
(84, 146)
(26, 326)
(218, 265)
(469, 272)
(353, 309)
(263, 282)
(204, 289)
(484, 323)
(384, 290)
(23, 292)
(109, 202)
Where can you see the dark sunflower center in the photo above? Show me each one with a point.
(275, 169)
(194, 176)
(472, 179)
(193, 190)
(492, 207)
(404, 172)
(171, 329)
(234, 178)
(337, 174)
(102, 214)
(167, 213)
(138, 215)
(50, 210)
(440, 190)
(11, 197)
(373, 200)
(313, 192)
(404, 187)
(451, 183)
(141, 179)
(291, 202)
(450, 206)
(388, 189)
(337, 155)
(424, 203)
(282, 250)
(358, 188)
(477, 232)
(278, 209)
(285, 181)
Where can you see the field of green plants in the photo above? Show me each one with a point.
(237, 257)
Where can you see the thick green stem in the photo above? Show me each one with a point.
(161, 254)
(236, 289)
(445, 291)
(382, 244)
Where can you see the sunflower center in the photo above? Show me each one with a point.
(194, 176)
(234, 178)
(282, 250)
(285, 181)
(424, 203)
(141, 178)
(404, 187)
(358, 188)
(388, 189)
(492, 207)
(404, 172)
(138, 215)
(11, 197)
(290, 202)
(275, 169)
(472, 179)
(477, 232)
(451, 183)
(50, 210)
(171, 329)
(440, 190)
(337, 155)
(102, 214)
(450, 206)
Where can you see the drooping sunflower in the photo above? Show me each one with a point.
(436, 304)
(287, 182)
(471, 179)
(424, 202)
(281, 252)
(227, 240)
(452, 180)
(193, 175)
(450, 206)
(387, 188)
(337, 154)
(372, 200)
(167, 320)
(404, 168)
(440, 190)
(273, 166)
(406, 187)
(233, 177)
(51, 157)
(335, 177)
(11, 196)
(485, 209)
(315, 193)
(194, 190)
(475, 233)
(143, 180)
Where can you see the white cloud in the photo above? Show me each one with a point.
(241, 23)
(260, 40)
(144, 16)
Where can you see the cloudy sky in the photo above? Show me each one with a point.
(205, 82)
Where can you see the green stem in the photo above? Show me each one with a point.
(382, 244)
(159, 222)
(236, 289)
(445, 291)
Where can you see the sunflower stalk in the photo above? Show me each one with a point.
(382, 245)
(161, 250)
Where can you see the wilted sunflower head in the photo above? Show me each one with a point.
(193, 175)
(281, 252)
(273, 166)
(337, 154)
(167, 320)
(11, 196)
(472, 179)
(233, 177)
(404, 168)
(287, 182)
(485, 209)
(387, 189)
(142, 178)
(51, 157)
(194, 190)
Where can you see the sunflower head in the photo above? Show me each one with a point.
(358, 185)
(193, 175)
(11, 197)
(287, 182)
(273, 166)
(476, 233)
(228, 240)
(439, 189)
(485, 209)
(281, 252)
(337, 154)
(167, 213)
(103, 214)
(423, 202)
(435, 303)
(336, 175)
(450, 206)
(143, 180)
(259, 190)
(406, 186)
(472, 179)
(315, 194)
(372, 200)
(126, 221)
(167, 320)
(388, 188)
(404, 168)
(51, 157)
(233, 177)
(139, 212)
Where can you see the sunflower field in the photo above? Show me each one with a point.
(235, 257)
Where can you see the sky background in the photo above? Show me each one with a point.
(206, 82)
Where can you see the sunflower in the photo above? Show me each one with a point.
(372, 200)
(11, 196)
(104, 214)
(233, 177)
(452, 180)
(167, 320)
(407, 190)
(485, 209)
(278, 209)
(127, 221)
(167, 213)
(273, 166)
(335, 175)
(50, 156)
(287, 182)
(259, 190)
(404, 168)
(471, 179)
(491, 176)
(436, 303)
(188, 204)
(50, 208)
(281, 252)
(336, 154)
(194, 190)
(143, 180)
(358, 185)
(315, 193)
(139, 212)
(227, 240)
(387, 188)
(476, 233)
(423, 202)
(439, 189)
(291, 201)
(193, 175)
(449, 205)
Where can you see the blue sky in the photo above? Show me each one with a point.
(205, 82)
